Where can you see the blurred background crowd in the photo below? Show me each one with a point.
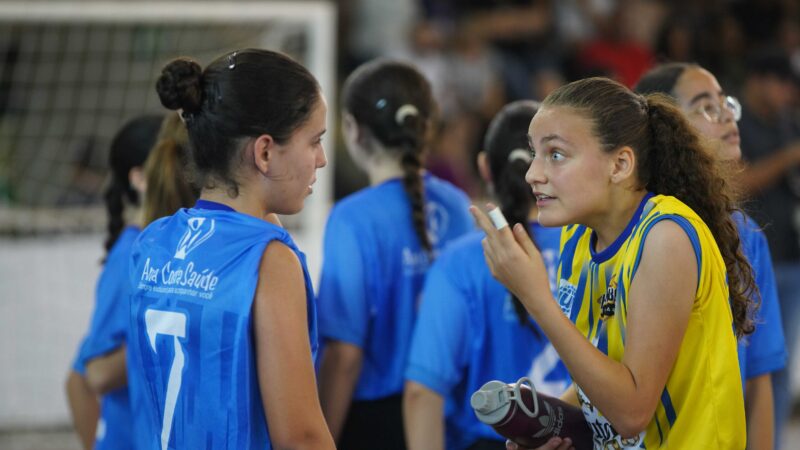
(480, 54)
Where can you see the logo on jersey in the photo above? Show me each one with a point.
(198, 232)
(566, 296)
(608, 300)
(437, 221)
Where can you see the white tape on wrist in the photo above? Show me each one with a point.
(498, 219)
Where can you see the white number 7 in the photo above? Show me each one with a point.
(172, 324)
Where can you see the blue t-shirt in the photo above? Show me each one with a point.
(373, 270)
(194, 278)
(764, 351)
(468, 333)
(107, 332)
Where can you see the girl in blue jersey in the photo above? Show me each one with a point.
(464, 335)
(103, 346)
(655, 362)
(714, 114)
(378, 245)
(223, 326)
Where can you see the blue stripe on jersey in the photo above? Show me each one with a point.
(569, 251)
(660, 433)
(577, 299)
(669, 410)
(691, 233)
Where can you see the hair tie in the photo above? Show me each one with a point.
(645, 104)
(520, 154)
(405, 111)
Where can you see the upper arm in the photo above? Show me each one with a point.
(343, 296)
(661, 298)
(439, 349)
(283, 352)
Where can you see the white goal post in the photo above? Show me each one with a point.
(71, 73)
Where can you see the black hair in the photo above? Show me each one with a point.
(663, 78)
(670, 160)
(508, 154)
(393, 100)
(129, 149)
(240, 95)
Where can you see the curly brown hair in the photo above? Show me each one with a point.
(670, 160)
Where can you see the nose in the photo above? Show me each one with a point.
(535, 174)
(322, 161)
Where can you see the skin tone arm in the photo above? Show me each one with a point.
(423, 415)
(84, 407)
(338, 373)
(283, 354)
(766, 172)
(108, 372)
(759, 412)
(626, 391)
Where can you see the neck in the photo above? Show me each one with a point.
(244, 203)
(382, 172)
(612, 222)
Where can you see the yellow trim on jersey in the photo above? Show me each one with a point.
(701, 406)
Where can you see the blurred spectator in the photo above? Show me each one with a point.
(770, 137)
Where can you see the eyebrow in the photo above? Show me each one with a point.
(704, 95)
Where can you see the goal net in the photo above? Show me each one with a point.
(71, 73)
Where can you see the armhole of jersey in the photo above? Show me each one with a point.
(687, 227)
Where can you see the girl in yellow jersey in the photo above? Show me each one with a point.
(642, 319)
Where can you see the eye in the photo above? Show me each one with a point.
(533, 153)
(557, 156)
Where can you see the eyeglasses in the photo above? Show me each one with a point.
(712, 111)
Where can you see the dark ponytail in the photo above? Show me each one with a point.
(129, 149)
(508, 155)
(670, 160)
(693, 175)
(394, 102)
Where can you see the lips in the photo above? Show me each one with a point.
(732, 136)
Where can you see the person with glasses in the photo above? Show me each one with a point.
(714, 114)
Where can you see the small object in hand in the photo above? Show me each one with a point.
(498, 219)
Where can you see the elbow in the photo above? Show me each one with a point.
(413, 394)
(632, 423)
(98, 381)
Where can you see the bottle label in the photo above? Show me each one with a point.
(605, 436)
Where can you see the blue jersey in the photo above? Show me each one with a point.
(373, 270)
(107, 332)
(468, 333)
(194, 278)
(764, 351)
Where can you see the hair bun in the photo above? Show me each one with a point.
(180, 85)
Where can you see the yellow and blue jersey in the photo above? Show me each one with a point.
(701, 405)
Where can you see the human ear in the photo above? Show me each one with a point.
(263, 146)
(623, 164)
(137, 179)
(483, 168)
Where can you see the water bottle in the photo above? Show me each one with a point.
(517, 412)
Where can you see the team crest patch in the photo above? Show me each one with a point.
(608, 300)
(199, 231)
(566, 296)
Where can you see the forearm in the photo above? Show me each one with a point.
(609, 384)
(108, 372)
(339, 372)
(423, 417)
(84, 408)
(766, 172)
(759, 412)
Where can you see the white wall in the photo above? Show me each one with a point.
(46, 297)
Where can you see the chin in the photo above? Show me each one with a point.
(550, 220)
